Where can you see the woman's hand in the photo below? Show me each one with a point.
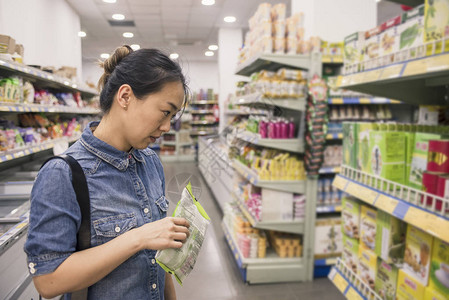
(165, 233)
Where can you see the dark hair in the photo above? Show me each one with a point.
(145, 70)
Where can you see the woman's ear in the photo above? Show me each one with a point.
(124, 95)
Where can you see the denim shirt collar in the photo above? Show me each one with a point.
(106, 152)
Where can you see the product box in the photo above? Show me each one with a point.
(436, 25)
(363, 154)
(368, 227)
(438, 156)
(389, 41)
(390, 238)
(372, 45)
(350, 214)
(410, 145)
(276, 205)
(386, 280)
(418, 249)
(353, 49)
(328, 237)
(387, 151)
(349, 144)
(409, 288)
(7, 44)
(431, 294)
(439, 269)
(411, 35)
(350, 253)
(419, 159)
(367, 266)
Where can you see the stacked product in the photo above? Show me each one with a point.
(360, 113)
(271, 128)
(419, 32)
(327, 194)
(333, 156)
(285, 244)
(328, 238)
(205, 112)
(398, 261)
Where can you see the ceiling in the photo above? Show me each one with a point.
(183, 26)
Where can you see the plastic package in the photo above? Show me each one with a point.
(180, 262)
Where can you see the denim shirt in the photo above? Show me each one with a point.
(126, 191)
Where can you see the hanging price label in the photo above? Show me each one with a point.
(353, 294)
(340, 282)
(386, 203)
(361, 192)
(339, 182)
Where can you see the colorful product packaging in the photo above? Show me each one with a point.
(409, 288)
(353, 51)
(389, 41)
(411, 35)
(367, 266)
(418, 250)
(350, 253)
(430, 182)
(390, 238)
(443, 186)
(436, 24)
(363, 158)
(431, 294)
(349, 144)
(439, 270)
(328, 237)
(368, 227)
(276, 205)
(350, 214)
(438, 156)
(386, 280)
(372, 45)
(410, 145)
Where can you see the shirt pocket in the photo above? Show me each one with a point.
(110, 227)
(162, 204)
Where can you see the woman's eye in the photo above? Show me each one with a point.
(166, 113)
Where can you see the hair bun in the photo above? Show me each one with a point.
(110, 63)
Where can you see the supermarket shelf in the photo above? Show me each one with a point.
(170, 132)
(184, 144)
(292, 145)
(9, 237)
(332, 59)
(168, 143)
(286, 226)
(325, 209)
(293, 186)
(203, 102)
(173, 158)
(334, 136)
(202, 112)
(325, 262)
(398, 200)
(258, 99)
(18, 153)
(273, 62)
(245, 112)
(410, 81)
(203, 132)
(412, 3)
(203, 122)
(361, 100)
(329, 170)
(350, 284)
(272, 268)
(44, 79)
(20, 108)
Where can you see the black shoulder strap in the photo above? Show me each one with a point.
(82, 196)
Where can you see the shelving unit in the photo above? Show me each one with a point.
(273, 62)
(178, 155)
(291, 145)
(329, 170)
(22, 108)
(361, 100)
(245, 112)
(334, 136)
(323, 209)
(258, 99)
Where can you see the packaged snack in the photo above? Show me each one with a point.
(386, 280)
(328, 237)
(372, 45)
(363, 159)
(368, 227)
(408, 287)
(180, 262)
(436, 24)
(350, 217)
(278, 12)
(411, 35)
(439, 269)
(390, 238)
(418, 249)
(431, 294)
(354, 49)
(438, 156)
(367, 266)
(350, 253)
(389, 40)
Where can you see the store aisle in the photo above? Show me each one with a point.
(216, 275)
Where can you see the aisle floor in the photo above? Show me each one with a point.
(216, 276)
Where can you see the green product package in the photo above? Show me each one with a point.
(349, 144)
(386, 280)
(419, 158)
(439, 268)
(390, 238)
(350, 214)
(350, 253)
(387, 153)
(180, 262)
(363, 155)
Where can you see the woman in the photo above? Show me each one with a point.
(141, 91)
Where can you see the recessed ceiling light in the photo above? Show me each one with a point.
(128, 34)
(174, 56)
(110, 1)
(208, 2)
(104, 55)
(81, 34)
(118, 17)
(213, 47)
(209, 53)
(230, 19)
(135, 47)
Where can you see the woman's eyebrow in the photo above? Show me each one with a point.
(175, 108)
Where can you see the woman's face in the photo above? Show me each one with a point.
(149, 117)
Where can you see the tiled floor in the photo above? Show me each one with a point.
(216, 275)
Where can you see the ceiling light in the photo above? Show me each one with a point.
(174, 56)
(128, 34)
(209, 53)
(230, 19)
(118, 17)
(208, 2)
(110, 1)
(213, 47)
(135, 47)
(104, 55)
(81, 34)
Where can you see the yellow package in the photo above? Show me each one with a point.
(418, 248)
(439, 268)
(431, 294)
(368, 227)
(367, 266)
(409, 288)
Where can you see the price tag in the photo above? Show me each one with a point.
(338, 208)
(336, 101)
(353, 294)
(361, 192)
(8, 156)
(415, 67)
(339, 81)
(391, 72)
(437, 63)
(365, 101)
(371, 76)
(339, 182)
(340, 282)
(428, 222)
(386, 203)
(21, 225)
(331, 261)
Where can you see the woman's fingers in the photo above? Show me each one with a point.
(181, 222)
(180, 236)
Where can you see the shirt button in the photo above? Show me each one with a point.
(31, 265)
(146, 210)
(154, 286)
(117, 229)
(153, 261)
(32, 270)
